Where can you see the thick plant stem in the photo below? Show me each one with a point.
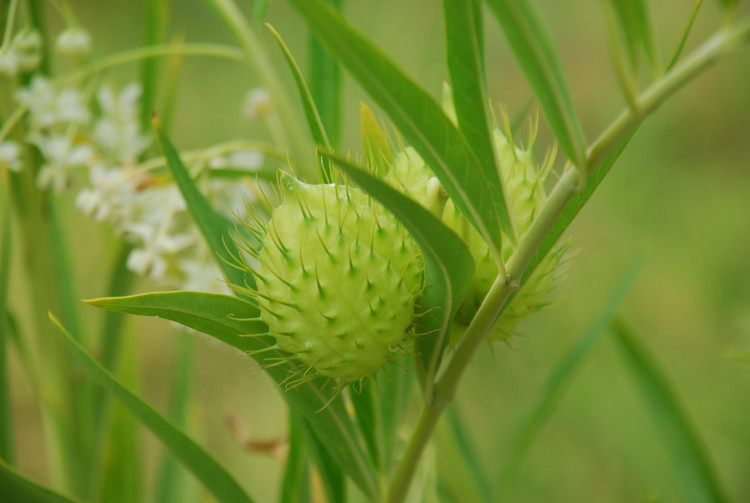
(494, 303)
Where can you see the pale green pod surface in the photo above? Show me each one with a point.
(338, 279)
(409, 175)
(525, 187)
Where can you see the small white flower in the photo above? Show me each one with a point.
(28, 48)
(61, 156)
(10, 155)
(118, 131)
(111, 192)
(257, 103)
(8, 63)
(74, 42)
(48, 107)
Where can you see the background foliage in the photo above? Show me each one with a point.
(679, 193)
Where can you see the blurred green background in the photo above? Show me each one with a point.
(680, 193)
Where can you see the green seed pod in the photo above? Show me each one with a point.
(525, 188)
(338, 278)
(524, 184)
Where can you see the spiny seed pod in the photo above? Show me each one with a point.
(524, 184)
(338, 278)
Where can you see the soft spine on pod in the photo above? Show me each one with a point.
(524, 183)
(338, 279)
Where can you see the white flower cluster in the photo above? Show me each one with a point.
(97, 132)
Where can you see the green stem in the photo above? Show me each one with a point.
(719, 45)
(494, 303)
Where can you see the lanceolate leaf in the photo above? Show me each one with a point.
(449, 267)
(325, 84)
(311, 111)
(15, 488)
(463, 41)
(204, 467)
(419, 118)
(635, 21)
(561, 378)
(236, 322)
(214, 228)
(694, 467)
(538, 59)
(295, 486)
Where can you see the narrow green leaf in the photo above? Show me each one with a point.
(535, 53)
(221, 316)
(634, 19)
(393, 401)
(459, 466)
(449, 267)
(695, 470)
(15, 488)
(229, 319)
(154, 31)
(685, 33)
(463, 39)
(561, 378)
(258, 15)
(213, 476)
(311, 111)
(214, 228)
(7, 450)
(330, 472)
(365, 403)
(295, 485)
(419, 118)
(325, 84)
(172, 482)
(119, 463)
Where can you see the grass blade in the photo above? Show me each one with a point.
(329, 470)
(7, 451)
(308, 103)
(119, 463)
(155, 28)
(311, 111)
(16, 488)
(325, 84)
(236, 322)
(561, 378)
(685, 33)
(295, 486)
(461, 471)
(213, 476)
(172, 481)
(419, 118)
(214, 228)
(449, 267)
(695, 470)
(463, 41)
(635, 21)
(366, 410)
(535, 53)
